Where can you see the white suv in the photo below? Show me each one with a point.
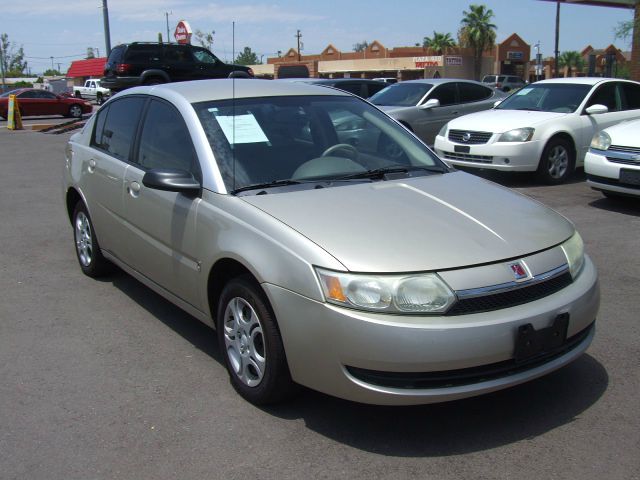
(545, 127)
(506, 83)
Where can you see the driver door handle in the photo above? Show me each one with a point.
(133, 189)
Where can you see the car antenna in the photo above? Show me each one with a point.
(233, 101)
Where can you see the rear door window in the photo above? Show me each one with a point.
(144, 54)
(632, 96)
(115, 136)
(470, 92)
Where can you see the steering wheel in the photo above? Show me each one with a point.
(350, 150)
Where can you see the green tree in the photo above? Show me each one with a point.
(360, 46)
(478, 33)
(572, 60)
(13, 62)
(439, 43)
(205, 38)
(51, 72)
(624, 30)
(247, 57)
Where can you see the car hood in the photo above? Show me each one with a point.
(625, 133)
(426, 223)
(500, 121)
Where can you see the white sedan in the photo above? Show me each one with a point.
(613, 162)
(545, 127)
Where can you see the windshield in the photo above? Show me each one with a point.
(401, 94)
(11, 92)
(305, 139)
(547, 97)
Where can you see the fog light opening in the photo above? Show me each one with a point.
(507, 161)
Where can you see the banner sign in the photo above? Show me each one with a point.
(453, 61)
(14, 120)
(422, 62)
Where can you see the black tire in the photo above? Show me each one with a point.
(557, 162)
(75, 111)
(77, 94)
(248, 335)
(90, 258)
(99, 99)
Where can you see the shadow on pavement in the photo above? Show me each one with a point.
(521, 179)
(470, 425)
(452, 428)
(624, 205)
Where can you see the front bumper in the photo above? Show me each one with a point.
(604, 174)
(504, 156)
(328, 347)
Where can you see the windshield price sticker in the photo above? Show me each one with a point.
(241, 129)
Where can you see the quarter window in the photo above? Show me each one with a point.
(165, 142)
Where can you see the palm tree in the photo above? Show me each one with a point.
(477, 32)
(571, 59)
(439, 42)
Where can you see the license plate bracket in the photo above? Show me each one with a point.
(461, 148)
(628, 176)
(531, 342)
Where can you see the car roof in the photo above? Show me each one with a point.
(439, 81)
(224, 89)
(577, 80)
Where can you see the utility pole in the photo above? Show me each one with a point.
(166, 15)
(2, 68)
(51, 63)
(557, 52)
(58, 67)
(105, 20)
(298, 35)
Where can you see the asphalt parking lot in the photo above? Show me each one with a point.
(107, 380)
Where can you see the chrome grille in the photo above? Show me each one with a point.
(467, 157)
(474, 137)
(620, 148)
(625, 161)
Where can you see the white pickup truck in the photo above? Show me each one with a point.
(91, 90)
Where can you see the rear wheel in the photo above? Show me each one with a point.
(78, 94)
(251, 344)
(557, 161)
(99, 99)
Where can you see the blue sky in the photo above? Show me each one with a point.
(64, 30)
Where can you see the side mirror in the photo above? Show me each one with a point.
(596, 109)
(169, 180)
(429, 104)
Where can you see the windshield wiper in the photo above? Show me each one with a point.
(383, 171)
(274, 183)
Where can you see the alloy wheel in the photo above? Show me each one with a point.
(558, 161)
(84, 243)
(244, 341)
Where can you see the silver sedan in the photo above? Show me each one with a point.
(424, 106)
(322, 262)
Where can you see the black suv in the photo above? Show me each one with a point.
(139, 63)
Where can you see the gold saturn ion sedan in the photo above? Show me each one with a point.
(271, 212)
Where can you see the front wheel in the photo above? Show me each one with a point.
(557, 161)
(75, 111)
(90, 258)
(251, 345)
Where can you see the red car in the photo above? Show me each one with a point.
(40, 102)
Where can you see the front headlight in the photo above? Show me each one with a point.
(517, 135)
(574, 251)
(601, 141)
(420, 293)
(443, 131)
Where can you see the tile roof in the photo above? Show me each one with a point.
(91, 67)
